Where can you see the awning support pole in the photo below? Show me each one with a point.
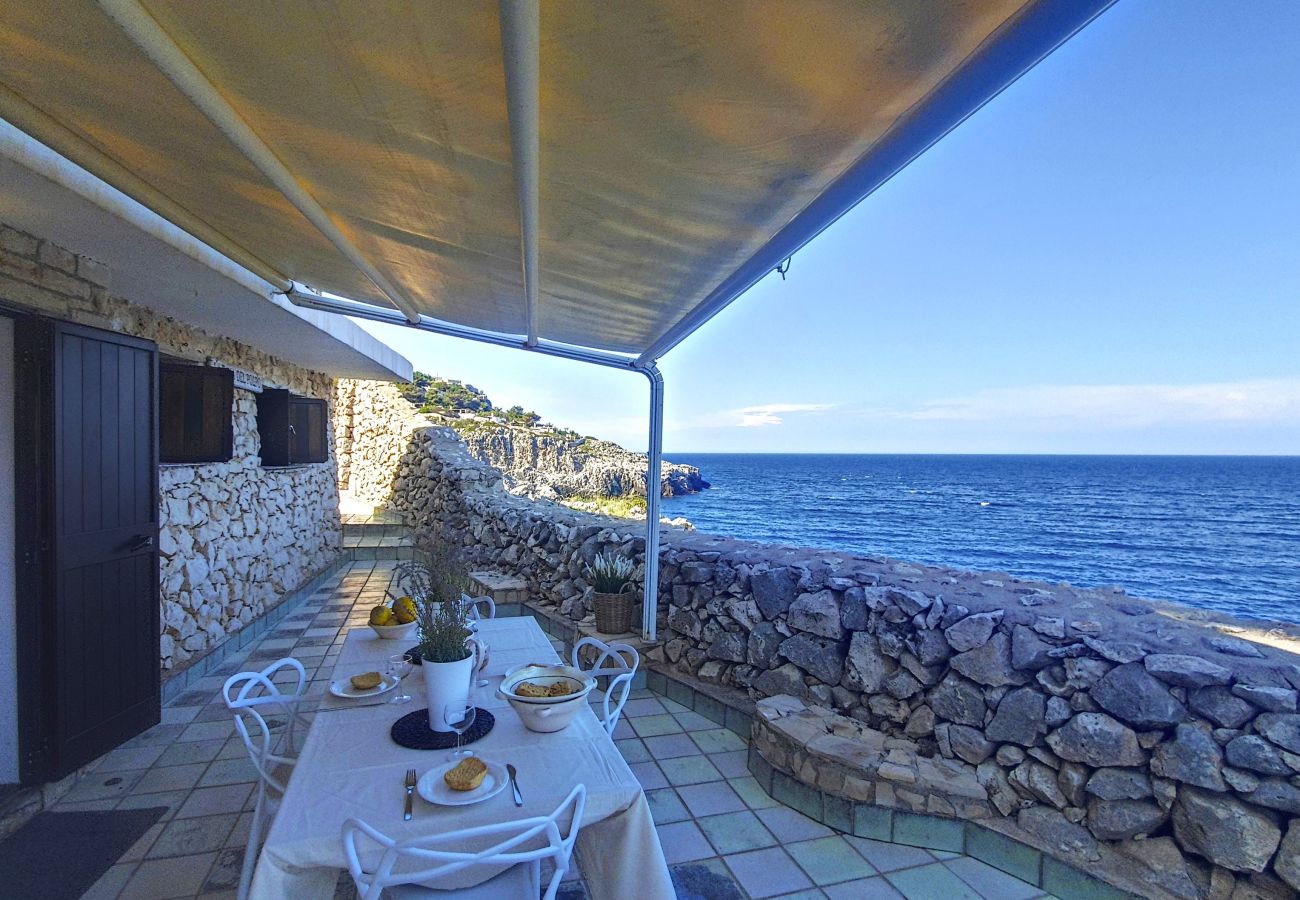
(169, 59)
(654, 458)
(521, 51)
(653, 492)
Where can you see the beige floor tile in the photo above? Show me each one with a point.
(214, 800)
(161, 879)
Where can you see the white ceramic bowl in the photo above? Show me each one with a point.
(395, 632)
(547, 714)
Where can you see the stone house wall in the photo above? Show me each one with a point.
(234, 537)
(1105, 729)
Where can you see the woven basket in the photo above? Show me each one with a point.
(613, 611)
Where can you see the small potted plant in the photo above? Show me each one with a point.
(613, 595)
(448, 651)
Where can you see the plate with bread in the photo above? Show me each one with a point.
(362, 685)
(465, 781)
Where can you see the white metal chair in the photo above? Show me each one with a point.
(429, 859)
(273, 772)
(617, 661)
(248, 690)
(472, 604)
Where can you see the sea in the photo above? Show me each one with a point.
(1214, 532)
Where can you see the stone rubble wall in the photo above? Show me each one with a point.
(372, 430)
(1103, 726)
(234, 537)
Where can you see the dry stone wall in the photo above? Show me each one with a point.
(1116, 733)
(235, 537)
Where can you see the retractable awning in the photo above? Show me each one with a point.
(588, 178)
(682, 148)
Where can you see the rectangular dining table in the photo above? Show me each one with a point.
(350, 766)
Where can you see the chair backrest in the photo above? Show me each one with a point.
(244, 690)
(473, 604)
(617, 661)
(428, 859)
(260, 744)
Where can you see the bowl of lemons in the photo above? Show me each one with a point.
(396, 622)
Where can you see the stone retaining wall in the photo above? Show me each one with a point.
(235, 537)
(1099, 725)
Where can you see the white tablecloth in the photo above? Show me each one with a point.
(349, 766)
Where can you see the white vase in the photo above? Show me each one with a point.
(448, 683)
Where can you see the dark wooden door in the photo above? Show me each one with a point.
(98, 622)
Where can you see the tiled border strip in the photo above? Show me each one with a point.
(176, 684)
(882, 823)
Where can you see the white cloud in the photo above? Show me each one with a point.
(755, 416)
(1124, 405)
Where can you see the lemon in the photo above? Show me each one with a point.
(404, 609)
(381, 615)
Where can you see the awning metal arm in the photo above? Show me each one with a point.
(158, 46)
(654, 457)
(520, 49)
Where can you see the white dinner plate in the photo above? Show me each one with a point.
(432, 788)
(343, 688)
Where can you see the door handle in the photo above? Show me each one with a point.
(143, 542)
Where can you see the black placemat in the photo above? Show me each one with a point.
(412, 730)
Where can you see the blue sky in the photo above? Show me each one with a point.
(1102, 260)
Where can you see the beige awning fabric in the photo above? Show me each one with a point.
(676, 136)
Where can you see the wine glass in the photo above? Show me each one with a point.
(399, 666)
(459, 718)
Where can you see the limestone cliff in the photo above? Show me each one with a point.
(538, 459)
(549, 464)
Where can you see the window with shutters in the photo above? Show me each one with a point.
(292, 428)
(195, 413)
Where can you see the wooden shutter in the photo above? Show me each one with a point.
(307, 419)
(292, 428)
(196, 413)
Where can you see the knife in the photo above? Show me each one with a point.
(514, 785)
(410, 794)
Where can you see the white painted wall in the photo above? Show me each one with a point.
(8, 635)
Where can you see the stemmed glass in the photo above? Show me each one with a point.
(399, 666)
(460, 718)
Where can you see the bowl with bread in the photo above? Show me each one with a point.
(546, 697)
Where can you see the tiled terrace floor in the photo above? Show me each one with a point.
(724, 838)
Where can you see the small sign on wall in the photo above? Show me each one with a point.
(244, 380)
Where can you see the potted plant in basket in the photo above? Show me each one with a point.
(613, 595)
(448, 652)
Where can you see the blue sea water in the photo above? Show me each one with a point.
(1215, 532)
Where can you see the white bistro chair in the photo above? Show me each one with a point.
(479, 608)
(617, 661)
(427, 860)
(249, 690)
(273, 771)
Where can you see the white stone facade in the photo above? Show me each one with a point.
(234, 537)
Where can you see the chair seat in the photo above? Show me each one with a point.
(512, 884)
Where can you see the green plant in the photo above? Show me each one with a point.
(442, 620)
(609, 571)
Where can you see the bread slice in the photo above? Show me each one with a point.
(528, 689)
(467, 775)
(561, 689)
(367, 680)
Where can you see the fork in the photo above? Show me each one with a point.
(410, 794)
